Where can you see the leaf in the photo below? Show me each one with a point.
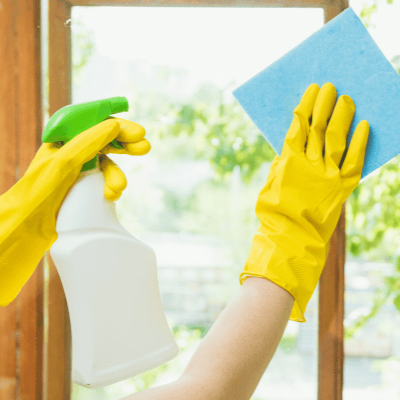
(396, 63)
(396, 302)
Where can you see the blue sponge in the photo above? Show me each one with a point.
(341, 52)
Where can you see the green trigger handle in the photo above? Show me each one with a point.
(116, 144)
(71, 120)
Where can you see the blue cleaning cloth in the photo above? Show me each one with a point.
(341, 52)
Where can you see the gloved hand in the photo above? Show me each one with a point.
(300, 205)
(132, 137)
(28, 210)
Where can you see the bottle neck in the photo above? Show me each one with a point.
(83, 174)
(85, 207)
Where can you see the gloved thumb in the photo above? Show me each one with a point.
(87, 144)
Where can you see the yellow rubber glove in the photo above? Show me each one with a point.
(28, 210)
(300, 205)
(131, 136)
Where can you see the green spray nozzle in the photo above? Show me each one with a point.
(71, 120)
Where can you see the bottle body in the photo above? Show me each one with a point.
(110, 282)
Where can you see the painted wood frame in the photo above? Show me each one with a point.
(32, 368)
(21, 322)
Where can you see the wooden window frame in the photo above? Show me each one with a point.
(34, 364)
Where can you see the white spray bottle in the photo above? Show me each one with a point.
(109, 277)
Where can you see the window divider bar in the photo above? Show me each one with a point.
(331, 316)
(57, 381)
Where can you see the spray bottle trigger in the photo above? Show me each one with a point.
(116, 144)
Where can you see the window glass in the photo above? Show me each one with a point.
(372, 307)
(192, 197)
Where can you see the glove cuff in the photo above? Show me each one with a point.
(297, 275)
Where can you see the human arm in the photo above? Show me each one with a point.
(28, 210)
(232, 357)
(298, 209)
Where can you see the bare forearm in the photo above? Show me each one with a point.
(238, 348)
(234, 354)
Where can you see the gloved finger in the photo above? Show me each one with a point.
(114, 178)
(110, 195)
(86, 145)
(354, 160)
(129, 131)
(139, 148)
(321, 112)
(338, 128)
(296, 136)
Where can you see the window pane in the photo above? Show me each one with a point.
(372, 345)
(372, 321)
(192, 197)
